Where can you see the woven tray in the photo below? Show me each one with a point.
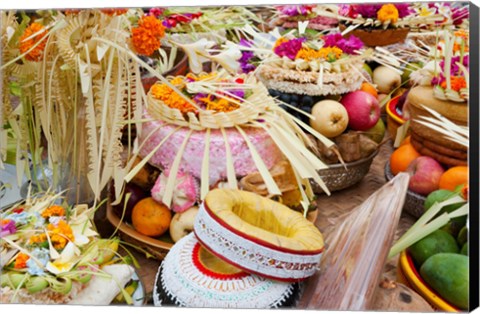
(337, 177)
(413, 202)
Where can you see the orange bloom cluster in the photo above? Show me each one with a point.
(21, 261)
(164, 93)
(456, 82)
(60, 234)
(328, 53)
(219, 105)
(27, 41)
(388, 12)
(146, 37)
(114, 11)
(54, 210)
(35, 239)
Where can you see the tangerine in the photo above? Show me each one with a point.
(151, 218)
(402, 157)
(406, 140)
(454, 177)
(369, 88)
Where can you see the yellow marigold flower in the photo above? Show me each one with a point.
(388, 12)
(60, 234)
(54, 210)
(220, 105)
(38, 238)
(327, 53)
(27, 41)
(21, 261)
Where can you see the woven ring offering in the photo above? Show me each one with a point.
(259, 235)
(190, 276)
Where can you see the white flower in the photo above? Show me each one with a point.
(65, 262)
(228, 58)
(196, 53)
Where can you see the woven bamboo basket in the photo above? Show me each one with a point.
(413, 202)
(338, 177)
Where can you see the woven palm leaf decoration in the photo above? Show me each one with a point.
(257, 109)
(80, 95)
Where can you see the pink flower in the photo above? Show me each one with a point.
(289, 48)
(367, 10)
(403, 9)
(156, 12)
(7, 227)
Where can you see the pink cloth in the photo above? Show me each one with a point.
(193, 155)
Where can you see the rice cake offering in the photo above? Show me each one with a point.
(191, 276)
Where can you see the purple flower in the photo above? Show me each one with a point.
(246, 43)
(7, 227)
(347, 10)
(350, 45)
(459, 14)
(332, 39)
(466, 60)
(289, 48)
(437, 80)
(294, 10)
(240, 93)
(404, 9)
(367, 10)
(244, 61)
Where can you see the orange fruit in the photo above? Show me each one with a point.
(151, 218)
(369, 88)
(402, 157)
(406, 140)
(454, 177)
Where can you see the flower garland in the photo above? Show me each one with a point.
(146, 36)
(33, 34)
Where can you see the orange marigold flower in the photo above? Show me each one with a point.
(27, 41)
(21, 261)
(114, 11)
(146, 37)
(388, 12)
(456, 82)
(144, 42)
(60, 234)
(171, 98)
(54, 210)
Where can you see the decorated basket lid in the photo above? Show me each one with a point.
(190, 276)
(259, 235)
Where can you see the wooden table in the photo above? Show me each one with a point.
(331, 208)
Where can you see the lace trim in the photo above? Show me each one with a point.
(252, 256)
(186, 286)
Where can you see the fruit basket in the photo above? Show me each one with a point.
(338, 177)
(408, 275)
(413, 202)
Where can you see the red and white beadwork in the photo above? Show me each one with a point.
(187, 281)
(251, 254)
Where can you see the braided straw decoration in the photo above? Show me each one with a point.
(248, 111)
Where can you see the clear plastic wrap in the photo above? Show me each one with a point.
(356, 252)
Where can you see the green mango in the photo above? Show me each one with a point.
(462, 237)
(464, 249)
(448, 275)
(438, 241)
(442, 195)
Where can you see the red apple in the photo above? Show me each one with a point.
(425, 175)
(363, 110)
